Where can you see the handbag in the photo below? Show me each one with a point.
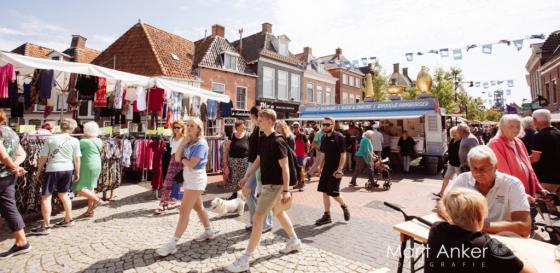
(178, 178)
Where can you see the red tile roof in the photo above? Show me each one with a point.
(32, 50)
(82, 55)
(150, 51)
(208, 51)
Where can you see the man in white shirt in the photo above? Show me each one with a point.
(508, 208)
(377, 141)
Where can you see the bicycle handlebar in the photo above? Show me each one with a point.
(406, 216)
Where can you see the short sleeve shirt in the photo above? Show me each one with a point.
(507, 195)
(332, 146)
(466, 145)
(318, 137)
(61, 150)
(197, 149)
(271, 149)
(10, 141)
(547, 141)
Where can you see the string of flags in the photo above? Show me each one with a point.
(457, 53)
(487, 84)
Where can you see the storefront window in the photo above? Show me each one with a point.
(282, 84)
(319, 94)
(295, 87)
(310, 93)
(268, 82)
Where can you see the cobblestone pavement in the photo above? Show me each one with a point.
(125, 234)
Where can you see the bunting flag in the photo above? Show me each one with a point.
(485, 85)
(409, 57)
(500, 82)
(518, 44)
(507, 42)
(487, 49)
(510, 83)
(364, 61)
(493, 83)
(477, 84)
(419, 53)
(339, 64)
(490, 94)
(355, 64)
(469, 47)
(433, 51)
(508, 92)
(444, 52)
(457, 54)
(537, 36)
(372, 59)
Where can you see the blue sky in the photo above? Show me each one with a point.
(362, 28)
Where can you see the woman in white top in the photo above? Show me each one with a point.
(174, 167)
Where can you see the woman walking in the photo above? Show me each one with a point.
(406, 145)
(90, 167)
(236, 156)
(364, 158)
(283, 129)
(453, 166)
(193, 155)
(174, 167)
(11, 156)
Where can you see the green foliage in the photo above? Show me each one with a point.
(379, 81)
(411, 93)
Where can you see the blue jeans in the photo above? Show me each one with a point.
(252, 200)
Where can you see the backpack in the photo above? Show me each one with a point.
(292, 161)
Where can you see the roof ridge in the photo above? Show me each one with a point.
(152, 47)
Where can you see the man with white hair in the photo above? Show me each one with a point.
(546, 151)
(377, 140)
(508, 208)
(468, 141)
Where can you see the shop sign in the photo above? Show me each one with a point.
(372, 107)
(279, 106)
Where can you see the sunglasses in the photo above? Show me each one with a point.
(326, 124)
(178, 128)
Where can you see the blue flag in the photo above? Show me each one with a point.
(485, 85)
(508, 92)
(518, 44)
(457, 54)
(364, 61)
(537, 36)
(477, 84)
(487, 49)
(510, 83)
(469, 47)
(444, 52)
(409, 56)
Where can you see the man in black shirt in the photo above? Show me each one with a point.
(272, 158)
(546, 151)
(332, 164)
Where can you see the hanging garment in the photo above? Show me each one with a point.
(212, 109)
(7, 75)
(34, 91)
(16, 100)
(111, 168)
(27, 95)
(203, 112)
(141, 98)
(127, 153)
(225, 109)
(156, 99)
(158, 148)
(175, 102)
(46, 84)
(130, 94)
(72, 99)
(101, 94)
(87, 86)
(119, 93)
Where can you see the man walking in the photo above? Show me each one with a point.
(546, 151)
(332, 164)
(468, 141)
(272, 158)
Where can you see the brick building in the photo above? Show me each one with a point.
(280, 76)
(543, 69)
(350, 79)
(318, 83)
(223, 70)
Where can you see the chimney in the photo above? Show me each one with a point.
(307, 51)
(338, 51)
(396, 68)
(78, 41)
(405, 71)
(218, 30)
(267, 28)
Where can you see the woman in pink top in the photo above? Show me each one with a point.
(512, 155)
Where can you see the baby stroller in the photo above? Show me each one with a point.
(382, 172)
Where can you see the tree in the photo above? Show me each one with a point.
(379, 81)
(410, 93)
(443, 90)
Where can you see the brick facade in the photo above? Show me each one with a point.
(231, 82)
(343, 88)
(316, 84)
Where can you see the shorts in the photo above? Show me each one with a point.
(196, 180)
(329, 184)
(300, 160)
(59, 182)
(451, 170)
(270, 199)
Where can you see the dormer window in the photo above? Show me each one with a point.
(283, 48)
(229, 61)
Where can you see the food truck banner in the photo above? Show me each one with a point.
(371, 110)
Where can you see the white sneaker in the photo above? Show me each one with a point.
(168, 248)
(207, 235)
(292, 246)
(238, 266)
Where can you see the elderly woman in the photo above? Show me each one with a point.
(90, 167)
(512, 155)
(464, 212)
(453, 166)
(363, 158)
(61, 154)
(528, 134)
(236, 157)
(11, 156)
(193, 155)
(173, 168)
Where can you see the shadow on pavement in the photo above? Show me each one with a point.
(306, 232)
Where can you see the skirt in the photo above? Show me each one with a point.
(237, 169)
(194, 179)
(172, 170)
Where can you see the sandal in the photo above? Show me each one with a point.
(86, 215)
(161, 210)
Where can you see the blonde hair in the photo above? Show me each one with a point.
(285, 129)
(180, 123)
(268, 114)
(198, 122)
(464, 208)
(91, 129)
(3, 117)
(68, 125)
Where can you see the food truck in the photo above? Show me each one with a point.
(421, 118)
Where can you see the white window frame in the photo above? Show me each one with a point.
(344, 79)
(320, 95)
(344, 98)
(295, 82)
(217, 83)
(358, 82)
(350, 80)
(328, 89)
(237, 96)
(310, 84)
(272, 84)
(230, 61)
(283, 48)
(286, 91)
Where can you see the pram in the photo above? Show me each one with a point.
(381, 172)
